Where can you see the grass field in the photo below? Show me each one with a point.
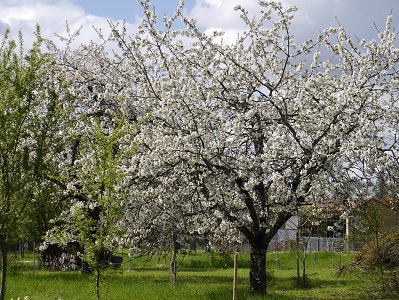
(199, 277)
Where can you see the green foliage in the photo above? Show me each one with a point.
(380, 259)
(14, 111)
(29, 111)
(385, 252)
(40, 211)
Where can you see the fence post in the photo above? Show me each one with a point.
(35, 266)
(235, 277)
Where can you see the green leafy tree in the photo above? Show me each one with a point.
(42, 208)
(28, 102)
(91, 164)
(97, 205)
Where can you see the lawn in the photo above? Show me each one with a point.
(199, 277)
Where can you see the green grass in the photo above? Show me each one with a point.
(198, 277)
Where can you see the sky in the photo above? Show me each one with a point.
(360, 17)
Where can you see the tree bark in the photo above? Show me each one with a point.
(98, 273)
(3, 271)
(172, 275)
(173, 270)
(22, 248)
(257, 273)
(298, 275)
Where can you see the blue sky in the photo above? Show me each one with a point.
(358, 16)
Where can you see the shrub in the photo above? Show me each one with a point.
(379, 253)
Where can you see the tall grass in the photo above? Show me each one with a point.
(199, 276)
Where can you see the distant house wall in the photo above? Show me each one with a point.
(322, 239)
(285, 239)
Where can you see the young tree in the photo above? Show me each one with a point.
(28, 111)
(92, 169)
(260, 126)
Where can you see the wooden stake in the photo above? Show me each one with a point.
(235, 277)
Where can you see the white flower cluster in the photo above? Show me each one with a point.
(178, 133)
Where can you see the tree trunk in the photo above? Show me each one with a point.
(3, 271)
(172, 270)
(98, 283)
(298, 276)
(22, 248)
(257, 273)
(305, 281)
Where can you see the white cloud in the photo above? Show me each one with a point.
(213, 3)
(52, 16)
(219, 14)
(358, 16)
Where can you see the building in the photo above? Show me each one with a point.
(332, 228)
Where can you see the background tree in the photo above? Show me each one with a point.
(40, 211)
(167, 221)
(28, 109)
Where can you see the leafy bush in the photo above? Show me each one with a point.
(379, 253)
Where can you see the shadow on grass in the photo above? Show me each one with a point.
(186, 277)
(291, 283)
(197, 277)
(154, 284)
